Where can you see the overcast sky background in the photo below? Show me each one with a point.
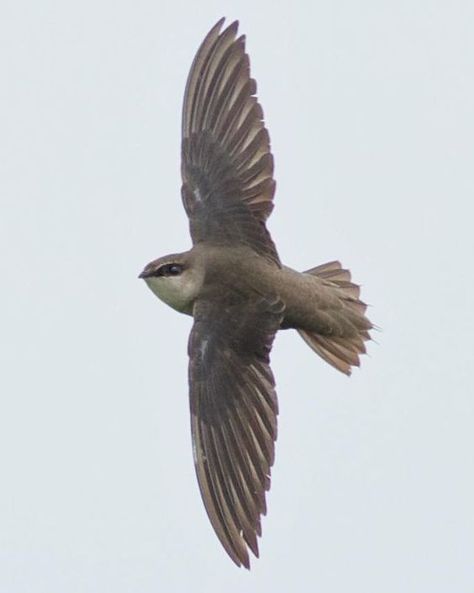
(370, 110)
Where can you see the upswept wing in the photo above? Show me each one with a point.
(227, 166)
(234, 415)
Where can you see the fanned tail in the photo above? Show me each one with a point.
(342, 352)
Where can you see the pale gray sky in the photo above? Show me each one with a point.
(370, 110)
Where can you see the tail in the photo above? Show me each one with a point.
(343, 351)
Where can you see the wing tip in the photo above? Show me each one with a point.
(232, 26)
(217, 26)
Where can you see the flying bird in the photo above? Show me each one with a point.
(234, 285)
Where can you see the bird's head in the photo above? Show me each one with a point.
(175, 279)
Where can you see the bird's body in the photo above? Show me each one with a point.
(239, 293)
(310, 302)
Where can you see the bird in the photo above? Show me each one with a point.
(234, 285)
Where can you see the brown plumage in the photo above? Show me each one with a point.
(233, 283)
(341, 351)
(226, 156)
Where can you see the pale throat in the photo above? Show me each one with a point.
(178, 292)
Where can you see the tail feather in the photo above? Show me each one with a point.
(334, 272)
(328, 350)
(339, 351)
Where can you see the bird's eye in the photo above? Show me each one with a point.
(170, 270)
(174, 270)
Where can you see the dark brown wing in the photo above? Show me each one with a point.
(234, 415)
(227, 166)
